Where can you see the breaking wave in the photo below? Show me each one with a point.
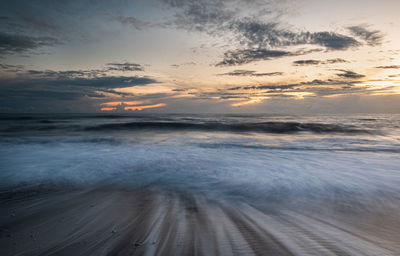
(267, 127)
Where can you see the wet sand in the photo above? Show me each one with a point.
(163, 222)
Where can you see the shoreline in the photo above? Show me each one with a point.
(107, 221)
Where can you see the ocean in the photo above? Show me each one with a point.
(304, 185)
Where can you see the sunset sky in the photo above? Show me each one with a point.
(200, 56)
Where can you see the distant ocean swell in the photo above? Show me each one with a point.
(261, 127)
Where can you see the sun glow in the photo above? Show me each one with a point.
(139, 108)
(118, 103)
(249, 102)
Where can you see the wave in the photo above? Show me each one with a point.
(264, 127)
(394, 149)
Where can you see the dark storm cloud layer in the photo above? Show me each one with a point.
(12, 43)
(250, 73)
(37, 87)
(96, 82)
(318, 62)
(87, 78)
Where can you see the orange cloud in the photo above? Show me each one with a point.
(118, 103)
(107, 109)
(133, 108)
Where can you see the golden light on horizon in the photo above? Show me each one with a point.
(128, 105)
(139, 108)
(107, 109)
(118, 103)
(249, 102)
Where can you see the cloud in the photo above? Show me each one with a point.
(103, 82)
(140, 108)
(337, 60)
(315, 82)
(306, 62)
(272, 35)
(37, 87)
(250, 73)
(60, 79)
(11, 43)
(11, 68)
(126, 66)
(371, 37)
(240, 57)
(389, 67)
(223, 18)
(318, 62)
(128, 105)
(191, 63)
(271, 87)
(350, 74)
(200, 15)
(254, 36)
(332, 41)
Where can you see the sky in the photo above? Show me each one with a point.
(200, 56)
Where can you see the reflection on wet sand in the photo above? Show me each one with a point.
(165, 222)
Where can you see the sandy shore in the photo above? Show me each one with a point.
(149, 222)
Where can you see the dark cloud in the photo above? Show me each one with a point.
(332, 41)
(271, 35)
(337, 60)
(200, 15)
(11, 68)
(315, 82)
(318, 62)
(191, 63)
(234, 88)
(65, 79)
(350, 74)
(33, 87)
(271, 87)
(250, 73)
(389, 67)
(223, 18)
(239, 57)
(104, 82)
(371, 37)
(126, 66)
(11, 43)
(85, 74)
(306, 62)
